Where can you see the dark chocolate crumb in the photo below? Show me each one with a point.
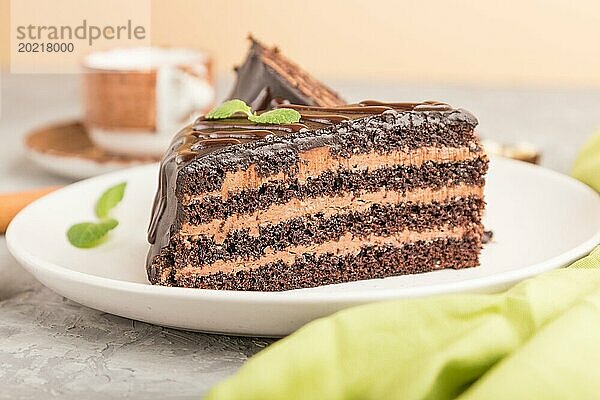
(487, 237)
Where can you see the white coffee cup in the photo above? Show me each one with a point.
(136, 99)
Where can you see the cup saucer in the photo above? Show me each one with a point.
(65, 149)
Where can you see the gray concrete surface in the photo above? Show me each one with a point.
(53, 347)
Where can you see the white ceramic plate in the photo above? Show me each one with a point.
(541, 220)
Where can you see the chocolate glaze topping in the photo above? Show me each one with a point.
(206, 137)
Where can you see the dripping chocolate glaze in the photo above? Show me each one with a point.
(205, 137)
(208, 134)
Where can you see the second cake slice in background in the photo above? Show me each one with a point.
(267, 78)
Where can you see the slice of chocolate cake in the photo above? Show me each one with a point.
(355, 192)
(267, 78)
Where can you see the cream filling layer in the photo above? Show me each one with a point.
(328, 205)
(312, 163)
(346, 244)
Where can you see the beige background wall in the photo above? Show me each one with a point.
(554, 42)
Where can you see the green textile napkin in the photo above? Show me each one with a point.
(538, 340)
(587, 165)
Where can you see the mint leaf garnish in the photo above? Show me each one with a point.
(109, 199)
(277, 116)
(228, 109)
(236, 106)
(90, 234)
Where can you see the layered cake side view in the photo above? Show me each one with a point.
(348, 193)
(267, 78)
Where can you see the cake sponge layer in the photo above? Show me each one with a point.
(309, 270)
